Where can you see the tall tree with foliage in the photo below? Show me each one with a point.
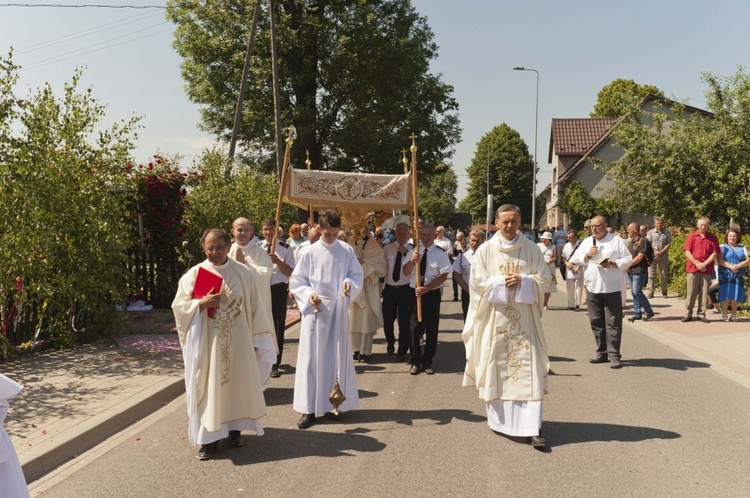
(354, 77)
(62, 216)
(682, 165)
(506, 155)
(216, 200)
(620, 97)
(437, 194)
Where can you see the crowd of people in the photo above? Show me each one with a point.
(230, 311)
(348, 287)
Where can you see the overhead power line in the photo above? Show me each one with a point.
(85, 51)
(83, 6)
(86, 32)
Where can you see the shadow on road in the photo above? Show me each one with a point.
(407, 417)
(285, 444)
(561, 358)
(277, 396)
(562, 433)
(668, 363)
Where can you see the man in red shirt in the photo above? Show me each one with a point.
(701, 249)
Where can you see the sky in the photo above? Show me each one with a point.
(577, 46)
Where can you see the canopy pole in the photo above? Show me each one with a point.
(308, 163)
(282, 185)
(415, 217)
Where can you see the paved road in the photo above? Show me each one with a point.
(664, 425)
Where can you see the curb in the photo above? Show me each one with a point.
(89, 433)
(93, 431)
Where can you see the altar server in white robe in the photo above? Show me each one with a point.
(506, 354)
(12, 482)
(222, 377)
(246, 251)
(325, 280)
(366, 312)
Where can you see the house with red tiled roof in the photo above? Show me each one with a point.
(570, 140)
(578, 144)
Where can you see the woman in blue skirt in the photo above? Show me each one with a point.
(733, 261)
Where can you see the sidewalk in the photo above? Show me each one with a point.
(74, 399)
(725, 345)
(722, 344)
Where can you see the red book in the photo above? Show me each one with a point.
(206, 282)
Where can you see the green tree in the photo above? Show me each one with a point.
(62, 215)
(216, 200)
(620, 97)
(506, 155)
(354, 78)
(437, 194)
(683, 165)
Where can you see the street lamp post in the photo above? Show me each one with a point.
(489, 196)
(536, 128)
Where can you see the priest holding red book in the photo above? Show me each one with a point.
(221, 323)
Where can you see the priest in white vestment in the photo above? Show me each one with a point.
(366, 312)
(506, 354)
(325, 280)
(246, 251)
(222, 377)
(12, 481)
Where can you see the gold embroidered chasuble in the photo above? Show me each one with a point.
(506, 354)
(226, 381)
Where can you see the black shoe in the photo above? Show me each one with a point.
(356, 356)
(399, 358)
(633, 318)
(538, 441)
(615, 363)
(306, 421)
(207, 451)
(686, 318)
(704, 319)
(665, 296)
(275, 373)
(601, 358)
(363, 358)
(336, 417)
(235, 439)
(390, 350)
(648, 317)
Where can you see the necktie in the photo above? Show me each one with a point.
(423, 265)
(397, 268)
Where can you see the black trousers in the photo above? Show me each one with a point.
(605, 315)
(279, 294)
(429, 325)
(398, 303)
(464, 303)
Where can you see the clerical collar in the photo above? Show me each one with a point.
(508, 243)
(212, 266)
